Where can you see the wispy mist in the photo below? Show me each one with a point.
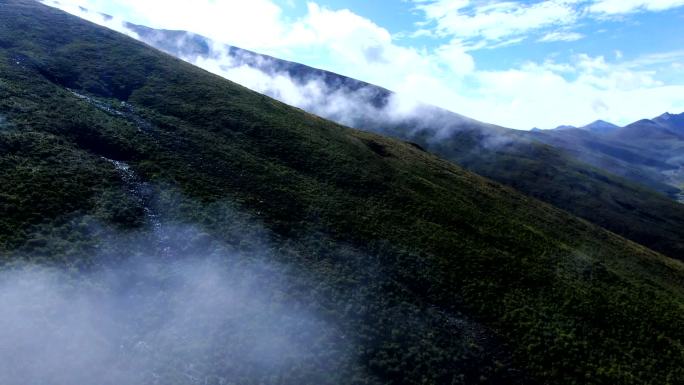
(166, 303)
(220, 300)
(193, 318)
(350, 104)
(343, 100)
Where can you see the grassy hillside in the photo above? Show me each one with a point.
(439, 275)
(552, 175)
(617, 186)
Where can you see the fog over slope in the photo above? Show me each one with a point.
(165, 304)
(152, 321)
(170, 303)
(341, 99)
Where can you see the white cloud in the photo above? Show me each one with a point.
(657, 59)
(224, 20)
(561, 36)
(76, 7)
(614, 7)
(484, 23)
(543, 94)
(341, 34)
(454, 56)
(495, 21)
(535, 94)
(586, 89)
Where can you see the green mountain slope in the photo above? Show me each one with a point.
(590, 177)
(438, 275)
(520, 160)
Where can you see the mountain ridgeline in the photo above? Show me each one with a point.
(649, 151)
(197, 232)
(591, 181)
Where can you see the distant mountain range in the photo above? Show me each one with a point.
(667, 124)
(599, 126)
(561, 175)
(649, 151)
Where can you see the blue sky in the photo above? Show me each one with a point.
(520, 64)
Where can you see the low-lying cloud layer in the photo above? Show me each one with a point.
(343, 100)
(450, 73)
(198, 315)
(163, 304)
(223, 303)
